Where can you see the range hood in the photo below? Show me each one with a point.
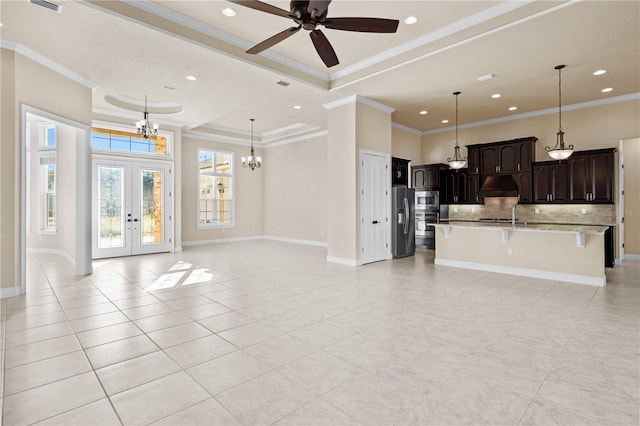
(499, 186)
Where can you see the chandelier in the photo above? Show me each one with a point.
(251, 161)
(559, 151)
(457, 162)
(145, 128)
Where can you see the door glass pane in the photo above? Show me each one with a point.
(151, 214)
(110, 220)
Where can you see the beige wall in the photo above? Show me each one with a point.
(25, 82)
(406, 145)
(295, 188)
(631, 150)
(249, 198)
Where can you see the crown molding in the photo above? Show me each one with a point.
(47, 63)
(406, 129)
(134, 116)
(359, 99)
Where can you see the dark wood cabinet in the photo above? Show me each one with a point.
(454, 186)
(399, 172)
(591, 176)
(507, 157)
(427, 176)
(550, 182)
(473, 159)
(473, 188)
(525, 187)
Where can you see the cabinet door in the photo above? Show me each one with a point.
(460, 181)
(432, 177)
(541, 189)
(579, 178)
(473, 160)
(525, 156)
(400, 172)
(558, 183)
(601, 185)
(489, 160)
(447, 187)
(418, 177)
(508, 155)
(473, 182)
(525, 188)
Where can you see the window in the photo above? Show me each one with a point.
(47, 146)
(131, 142)
(215, 188)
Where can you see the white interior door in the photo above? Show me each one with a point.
(374, 207)
(131, 207)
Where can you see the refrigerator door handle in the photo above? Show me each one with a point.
(405, 226)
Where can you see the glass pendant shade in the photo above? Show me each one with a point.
(457, 162)
(560, 151)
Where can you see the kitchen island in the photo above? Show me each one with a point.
(573, 253)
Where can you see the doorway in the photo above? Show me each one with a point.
(374, 206)
(131, 207)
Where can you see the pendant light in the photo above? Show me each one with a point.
(144, 127)
(252, 161)
(457, 162)
(559, 151)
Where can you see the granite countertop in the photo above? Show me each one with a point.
(524, 226)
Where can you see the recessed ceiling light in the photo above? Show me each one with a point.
(608, 89)
(599, 72)
(227, 11)
(513, 108)
(445, 121)
(496, 95)
(410, 20)
(297, 107)
(423, 112)
(191, 77)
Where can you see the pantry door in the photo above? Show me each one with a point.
(131, 207)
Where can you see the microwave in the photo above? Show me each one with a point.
(427, 201)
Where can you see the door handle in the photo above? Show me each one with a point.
(405, 227)
(375, 222)
(135, 220)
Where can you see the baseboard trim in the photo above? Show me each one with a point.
(342, 261)
(630, 257)
(10, 292)
(58, 252)
(297, 241)
(524, 272)
(219, 241)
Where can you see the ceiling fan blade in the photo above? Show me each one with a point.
(365, 25)
(324, 48)
(271, 41)
(319, 5)
(262, 7)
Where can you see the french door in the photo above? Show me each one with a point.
(131, 207)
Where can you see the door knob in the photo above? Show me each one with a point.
(374, 222)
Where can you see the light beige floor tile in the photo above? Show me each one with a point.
(226, 321)
(108, 334)
(542, 414)
(83, 301)
(38, 373)
(188, 302)
(89, 311)
(158, 322)
(37, 334)
(319, 413)
(320, 372)
(98, 321)
(152, 401)
(178, 334)
(223, 373)
(205, 311)
(206, 413)
(120, 350)
(124, 375)
(265, 399)
(29, 311)
(40, 350)
(280, 350)
(321, 334)
(22, 323)
(147, 311)
(249, 334)
(136, 302)
(99, 413)
(50, 400)
(200, 350)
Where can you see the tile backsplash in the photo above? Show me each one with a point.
(500, 208)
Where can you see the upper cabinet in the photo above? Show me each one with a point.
(507, 157)
(473, 159)
(399, 172)
(427, 177)
(591, 176)
(550, 182)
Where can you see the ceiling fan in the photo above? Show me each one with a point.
(308, 15)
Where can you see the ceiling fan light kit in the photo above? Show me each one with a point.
(308, 15)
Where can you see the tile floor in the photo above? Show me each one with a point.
(263, 332)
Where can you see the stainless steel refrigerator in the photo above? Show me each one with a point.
(403, 231)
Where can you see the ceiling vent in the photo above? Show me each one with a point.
(47, 5)
(283, 83)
